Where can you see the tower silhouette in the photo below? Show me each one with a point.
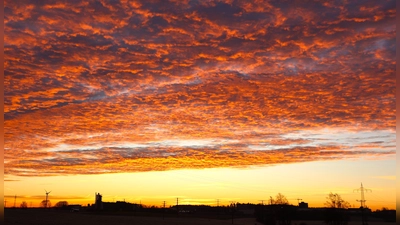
(47, 198)
(362, 189)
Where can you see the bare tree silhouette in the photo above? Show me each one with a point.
(336, 201)
(336, 213)
(24, 205)
(45, 204)
(280, 199)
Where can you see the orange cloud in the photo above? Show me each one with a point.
(99, 88)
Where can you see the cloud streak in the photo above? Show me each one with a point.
(101, 86)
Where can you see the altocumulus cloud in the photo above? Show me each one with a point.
(112, 86)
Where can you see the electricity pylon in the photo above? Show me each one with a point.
(362, 189)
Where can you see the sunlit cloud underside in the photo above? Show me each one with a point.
(93, 87)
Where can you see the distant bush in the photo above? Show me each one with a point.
(24, 205)
(61, 204)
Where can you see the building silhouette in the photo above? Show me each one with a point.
(303, 205)
(98, 205)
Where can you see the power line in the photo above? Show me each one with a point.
(377, 198)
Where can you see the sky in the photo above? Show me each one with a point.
(149, 101)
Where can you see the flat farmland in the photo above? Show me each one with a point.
(54, 217)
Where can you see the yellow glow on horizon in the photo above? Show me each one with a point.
(311, 182)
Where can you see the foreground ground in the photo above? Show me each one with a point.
(51, 217)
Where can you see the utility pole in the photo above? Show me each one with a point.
(298, 201)
(262, 201)
(163, 209)
(233, 206)
(5, 203)
(270, 200)
(15, 200)
(177, 206)
(218, 207)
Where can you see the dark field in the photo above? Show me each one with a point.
(54, 217)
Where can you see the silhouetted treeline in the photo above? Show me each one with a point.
(284, 214)
(386, 214)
